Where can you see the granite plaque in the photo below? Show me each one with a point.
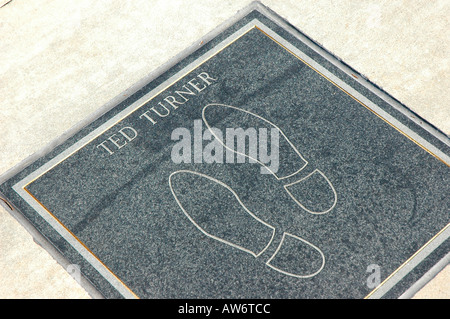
(253, 165)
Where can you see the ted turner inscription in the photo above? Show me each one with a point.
(159, 111)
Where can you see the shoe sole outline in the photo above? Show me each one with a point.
(240, 202)
(268, 262)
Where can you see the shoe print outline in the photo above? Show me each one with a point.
(293, 187)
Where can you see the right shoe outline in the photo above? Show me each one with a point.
(250, 251)
(246, 155)
(293, 185)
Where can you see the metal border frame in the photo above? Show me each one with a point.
(255, 5)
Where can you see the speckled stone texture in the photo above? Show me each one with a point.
(391, 193)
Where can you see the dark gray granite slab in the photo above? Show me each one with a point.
(357, 207)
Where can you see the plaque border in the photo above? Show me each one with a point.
(379, 291)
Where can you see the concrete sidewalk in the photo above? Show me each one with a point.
(62, 60)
